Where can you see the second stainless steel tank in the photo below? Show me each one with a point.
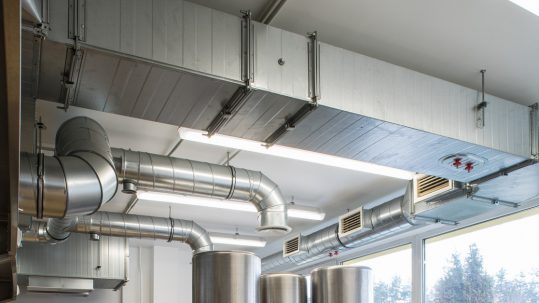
(225, 277)
(283, 288)
(338, 284)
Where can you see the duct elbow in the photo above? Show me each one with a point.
(271, 206)
(78, 180)
(194, 235)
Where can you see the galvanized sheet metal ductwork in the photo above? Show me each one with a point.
(76, 181)
(144, 171)
(379, 222)
(125, 226)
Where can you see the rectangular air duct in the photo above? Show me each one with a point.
(105, 263)
(60, 285)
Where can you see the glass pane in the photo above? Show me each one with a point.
(392, 270)
(497, 261)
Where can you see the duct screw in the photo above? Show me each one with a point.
(469, 167)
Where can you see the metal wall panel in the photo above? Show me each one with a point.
(374, 88)
(78, 257)
(272, 44)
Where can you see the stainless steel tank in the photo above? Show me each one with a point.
(339, 284)
(283, 288)
(225, 277)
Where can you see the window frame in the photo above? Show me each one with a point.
(418, 241)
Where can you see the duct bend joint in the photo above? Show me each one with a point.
(151, 172)
(77, 180)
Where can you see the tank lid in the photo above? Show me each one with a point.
(281, 274)
(225, 252)
(341, 267)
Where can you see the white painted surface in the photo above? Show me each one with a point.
(172, 274)
(158, 274)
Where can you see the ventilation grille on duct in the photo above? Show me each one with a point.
(292, 246)
(351, 222)
(426, 186)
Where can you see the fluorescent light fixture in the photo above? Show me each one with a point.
(294, 211)
(237, 240)
(529, 5)
(291, 153)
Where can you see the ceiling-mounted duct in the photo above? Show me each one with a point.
(292, 246)
(82, 176)
(122, 225)
(445, 201)
(138, 170)
(351, 222)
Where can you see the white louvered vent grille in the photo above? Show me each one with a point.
(351, 222)
(429, 186)
(291, 246)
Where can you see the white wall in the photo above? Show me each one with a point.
(158, 274)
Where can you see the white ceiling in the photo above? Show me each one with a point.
(334, 190)
(452, 40)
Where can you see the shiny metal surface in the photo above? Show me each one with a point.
(32, 10)
(77, 257)
(382, 221)
(160, 173)
(121, 225)
(339, 284)
(225, 277)
(283, 287)
(78, 180)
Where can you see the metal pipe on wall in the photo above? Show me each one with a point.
(145, 171)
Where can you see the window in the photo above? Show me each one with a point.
(496, 261)
(392, 271)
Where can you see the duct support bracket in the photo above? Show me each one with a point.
(534, 130)
(242, 94)
(314, 67)
(70, 76)
(247, 49)
(76, 20)
(314, 92)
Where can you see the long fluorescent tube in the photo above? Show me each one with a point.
(294, 211)
(529, 5)
(291, 153)
(238, 240)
